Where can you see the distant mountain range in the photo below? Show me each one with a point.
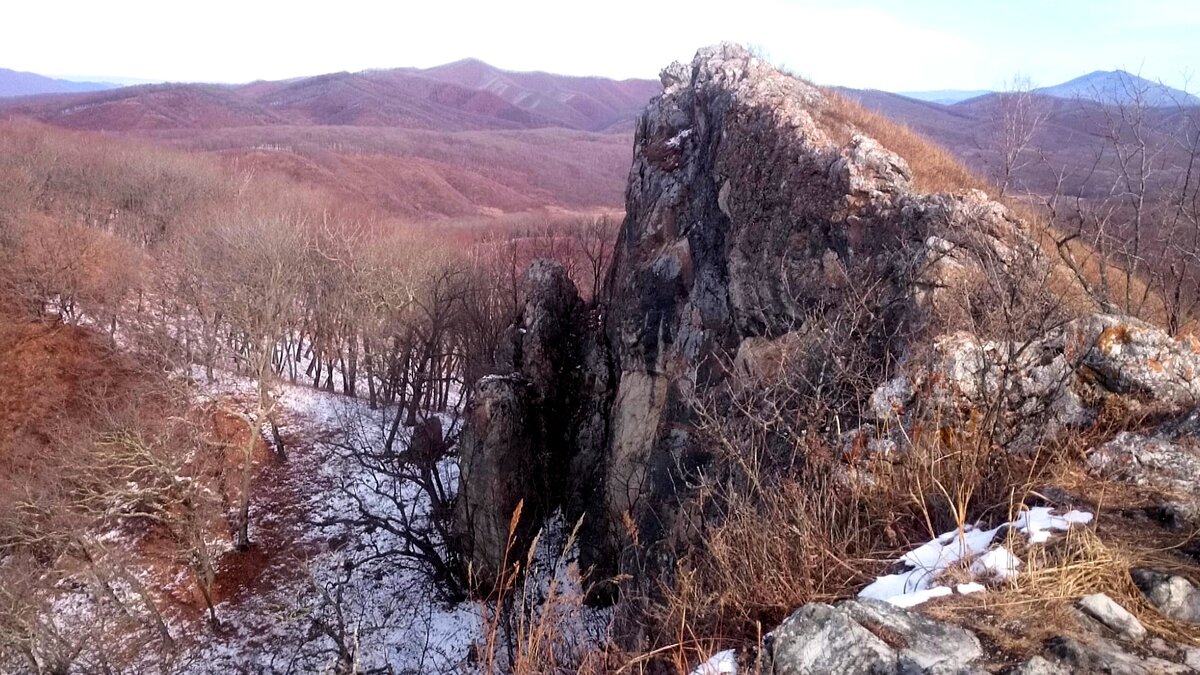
(1117, 87)
(17, 83)
(459, 96)
(464, 139)
(1110, 87)
(944, 96)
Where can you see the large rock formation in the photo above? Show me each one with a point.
(761, 226)
(752, 215)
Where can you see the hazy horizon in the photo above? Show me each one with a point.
(929, 44)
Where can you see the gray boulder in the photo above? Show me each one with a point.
(1100, 656)
(1171, 594)
(867, 636)
(1115, 617)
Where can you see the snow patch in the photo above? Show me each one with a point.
(678, 139)
(987, 560)
(721, 663)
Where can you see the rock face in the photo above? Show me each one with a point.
(1042, 382)
(516, 443)
(752, 212)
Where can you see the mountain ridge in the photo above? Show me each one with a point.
(17, 83)
(1100, 86)
(1113, 87)
(464, 95)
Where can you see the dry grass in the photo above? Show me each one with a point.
(934, 168)
(802, 540)
(1018, 617)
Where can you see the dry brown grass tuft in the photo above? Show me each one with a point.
(800, 540)
(934, 168)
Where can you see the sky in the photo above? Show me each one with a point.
(896, 46)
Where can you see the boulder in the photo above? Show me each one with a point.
(1171, 594)
(1113, 616)
(819, 638)
(928, 644)
(867, 636)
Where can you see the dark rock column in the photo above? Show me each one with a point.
(517, 445)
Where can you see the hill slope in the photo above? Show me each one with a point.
(460, 140)
(465, 95)
(18, 83)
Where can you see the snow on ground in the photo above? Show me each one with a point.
(382, 606)
(976, 549)
(721, 663)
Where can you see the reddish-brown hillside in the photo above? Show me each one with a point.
(429, 174)
(1073, 137)
(458, 96)
(460, 140)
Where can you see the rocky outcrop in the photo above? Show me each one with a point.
(1171, 594)
(761, 228)
(752, 214)
(1053, 381)
(1165, 458)
(499, 437)
(517, 440)
(760, 225)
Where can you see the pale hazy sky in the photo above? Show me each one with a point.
(914, 44)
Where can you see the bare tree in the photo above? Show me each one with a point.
(1017, 117)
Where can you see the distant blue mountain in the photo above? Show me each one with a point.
(1119, 87)
(17, 83)
(944, 96)
(1111, 87)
